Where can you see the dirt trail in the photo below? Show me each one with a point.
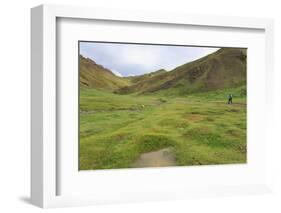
(162, 157)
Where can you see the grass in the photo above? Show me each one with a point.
(201, 129)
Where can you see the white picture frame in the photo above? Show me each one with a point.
(44, 154)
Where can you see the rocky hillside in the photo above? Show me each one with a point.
(223, 69)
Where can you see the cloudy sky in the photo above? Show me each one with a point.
(137, 59)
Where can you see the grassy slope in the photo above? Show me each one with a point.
(96, 76)
(222, 69)
(145, 77)
(201, 129)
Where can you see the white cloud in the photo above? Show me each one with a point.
(134, 59)
(116, 72)
(144, 56)
(208, 51)
(130, 74)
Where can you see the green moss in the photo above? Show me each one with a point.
(201, 129)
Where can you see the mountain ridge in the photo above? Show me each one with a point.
(224, 68)
(93, 75)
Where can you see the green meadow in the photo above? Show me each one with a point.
(199, 129)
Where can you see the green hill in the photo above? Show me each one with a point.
(93, 75)
(142, 83)
(145, 77)
(225, 68)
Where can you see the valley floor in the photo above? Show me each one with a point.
(125, 131)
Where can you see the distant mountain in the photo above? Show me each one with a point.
(93, 75)
(142, 82)
(145, 77)
(225, 68)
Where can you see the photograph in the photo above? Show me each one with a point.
(161, 105)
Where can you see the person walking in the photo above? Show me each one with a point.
(230, 99)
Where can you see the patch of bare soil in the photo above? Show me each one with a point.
(194, 117)
(160, 158)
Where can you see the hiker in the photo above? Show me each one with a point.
(230, 99)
